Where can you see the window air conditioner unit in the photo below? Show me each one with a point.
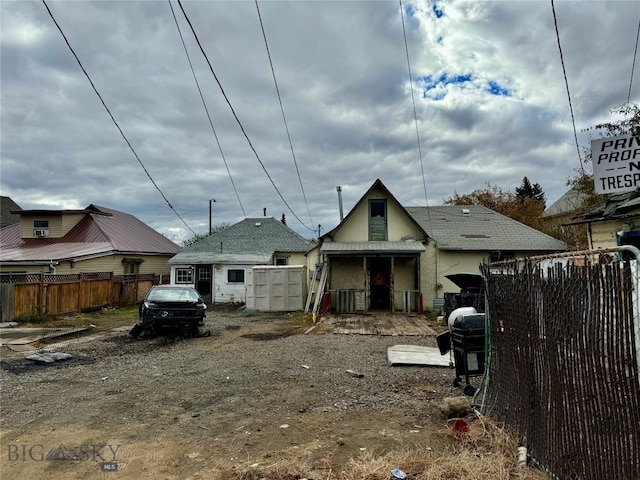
(41, 233)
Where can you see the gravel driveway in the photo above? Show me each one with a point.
(258, 390)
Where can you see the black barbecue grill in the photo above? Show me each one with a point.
(467, 340)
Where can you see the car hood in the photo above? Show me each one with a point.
(466, 281)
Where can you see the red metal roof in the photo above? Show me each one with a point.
(102, 231)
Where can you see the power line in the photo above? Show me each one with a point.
(413, 100)
(633, 65)
(206, 109)
(284, 119)
(566, 82)
(113, 119)
(237, 119)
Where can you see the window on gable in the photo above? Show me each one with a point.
(378, 220)
(41, 224)
(235, 276)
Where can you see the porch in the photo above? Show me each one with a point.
(383, 323)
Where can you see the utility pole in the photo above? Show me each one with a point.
(210, 202)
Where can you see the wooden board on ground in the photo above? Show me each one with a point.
(416, 355)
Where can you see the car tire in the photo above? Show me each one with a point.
(136, 330)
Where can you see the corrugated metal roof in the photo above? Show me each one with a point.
(480, 229)
(345, 248)
(128, 234)
(102, 231)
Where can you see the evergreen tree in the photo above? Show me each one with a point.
(527, 190)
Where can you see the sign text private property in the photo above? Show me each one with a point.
(616, 164)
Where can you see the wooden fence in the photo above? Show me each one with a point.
(40, 294)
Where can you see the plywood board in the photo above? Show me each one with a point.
(416, 355)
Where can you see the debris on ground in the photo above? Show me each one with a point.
(456, 406)
(48, 356)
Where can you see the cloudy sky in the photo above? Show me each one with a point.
(488, 88)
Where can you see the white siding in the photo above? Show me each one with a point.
(225, 292)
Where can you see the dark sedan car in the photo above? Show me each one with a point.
(171, 308)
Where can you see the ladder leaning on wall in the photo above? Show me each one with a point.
(320, 273)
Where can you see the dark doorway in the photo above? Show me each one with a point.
(380, 283)
(203, 282)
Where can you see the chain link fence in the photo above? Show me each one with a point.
(563, 360)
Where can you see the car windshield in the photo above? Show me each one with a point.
(173, 295)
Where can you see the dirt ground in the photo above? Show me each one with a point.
(261, 390)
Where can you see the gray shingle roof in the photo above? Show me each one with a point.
(252, 236)
(7, 205)
(480, 229)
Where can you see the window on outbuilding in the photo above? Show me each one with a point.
(235, 276)
(378, 220)
(282, 260)
(184, 275)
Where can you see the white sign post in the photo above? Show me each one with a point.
(616, 164)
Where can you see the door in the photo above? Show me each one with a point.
(380, 283)
(203, 282)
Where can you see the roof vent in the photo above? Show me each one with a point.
(465, 211)
(258, 224)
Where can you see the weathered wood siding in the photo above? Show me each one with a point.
(603, 234)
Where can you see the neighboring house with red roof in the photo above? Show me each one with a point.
(96, 239)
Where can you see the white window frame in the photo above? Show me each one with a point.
(184, 275)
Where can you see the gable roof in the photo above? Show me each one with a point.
(480, 229)
(250, 241)
(568, 203)
(103, 231)
(376, 185)
(7, 209)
